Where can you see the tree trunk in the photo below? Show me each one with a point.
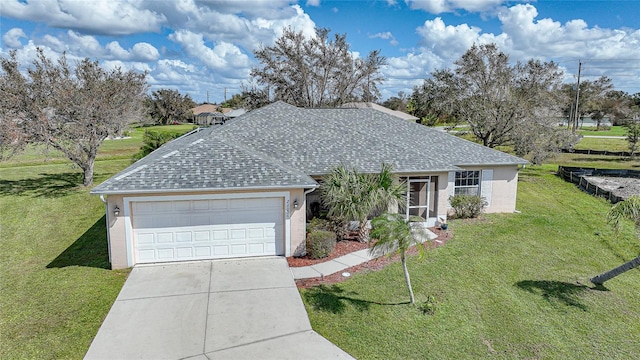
(88, 172)
(600, 279)
(406, 277)
(363, 232)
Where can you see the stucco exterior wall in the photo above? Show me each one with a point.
(504, 188)
(117, 224)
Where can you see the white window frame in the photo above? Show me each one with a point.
(476, 178)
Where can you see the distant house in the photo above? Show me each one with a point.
(211, 114)
(246, 188)
(209, 118)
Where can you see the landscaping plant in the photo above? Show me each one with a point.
(630, 210)
(395, 235)
(467, 206)
(320, 243)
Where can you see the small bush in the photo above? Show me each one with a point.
(428, 307)
(318, 224)
(320, 243)
(467, 206)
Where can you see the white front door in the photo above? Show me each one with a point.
(207, 229)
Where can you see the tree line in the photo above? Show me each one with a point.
(74, 110)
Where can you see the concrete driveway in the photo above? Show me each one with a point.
(221, 309)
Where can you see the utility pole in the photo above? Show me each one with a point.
(207, 97)
(576, 112)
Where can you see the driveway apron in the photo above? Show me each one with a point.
(220, 309)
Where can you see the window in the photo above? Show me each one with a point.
(467, 183)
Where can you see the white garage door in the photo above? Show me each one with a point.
(207, 229)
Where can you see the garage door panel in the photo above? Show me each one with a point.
(207, 229)
(200, 219)
(184, 253)
(203, 251)
(182, 206)
(202, 236)
(238, 249)
(145, 238)
(184, 236)
(238, 234)
(255, 233)
(162, 207)
(146, 255)
(221, 250)
(220, 234)
(165, 253)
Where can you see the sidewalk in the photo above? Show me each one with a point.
(338, 264)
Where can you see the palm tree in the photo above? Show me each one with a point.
(351, 195)
(628, 209)
(395, 235)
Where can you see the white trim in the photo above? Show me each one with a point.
(451, 186)
(129, 227)
(486, 185)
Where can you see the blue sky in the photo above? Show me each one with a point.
(203, 47)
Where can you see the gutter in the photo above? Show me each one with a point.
(191, 190)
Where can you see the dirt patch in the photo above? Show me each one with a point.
(619, 186)
(374, 265)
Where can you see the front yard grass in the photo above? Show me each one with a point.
(602, 144)
(55, 284)
(508, 286)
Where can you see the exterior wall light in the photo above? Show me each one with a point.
(116, 211)
(295, 203)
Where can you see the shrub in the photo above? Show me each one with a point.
(467, 206)
(153, 140)
(320, 243)
(318, 224)
(428, 307)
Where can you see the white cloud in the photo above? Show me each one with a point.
(113, 17)
(84, 44)
(224, 56)
(12, 38)
(140, 52)
(313, 3)
(442, 6)
(386, 36)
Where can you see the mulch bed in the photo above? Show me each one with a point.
(346, 246)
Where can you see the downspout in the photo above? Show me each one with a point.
(304, 195)
(106, 211)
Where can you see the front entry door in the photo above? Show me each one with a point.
(418, 197)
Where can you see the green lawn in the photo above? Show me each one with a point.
(55, 285)
(110, 149)
(614, 131)
(509, 286)
(602, 144)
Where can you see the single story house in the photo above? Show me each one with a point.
(246, 189)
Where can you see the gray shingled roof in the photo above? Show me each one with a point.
(281, 145)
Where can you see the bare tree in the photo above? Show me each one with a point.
(503, 104)
(71, 111)
(166, 106)
(317, 72)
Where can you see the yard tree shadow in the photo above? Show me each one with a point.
(89, 250)
(45, 185)
(563, 292)
(334, 299)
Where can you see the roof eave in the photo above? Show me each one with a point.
(236, 188)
